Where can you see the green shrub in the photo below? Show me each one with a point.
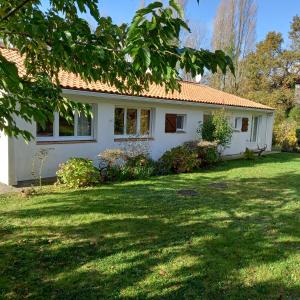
(207, 153)
(180, 159)
(249, 154)
(217, 128)
(139, 167)
(285, 135)
(78, 172)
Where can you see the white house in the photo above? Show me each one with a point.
(162, 119)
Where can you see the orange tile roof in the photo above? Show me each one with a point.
(190, 92)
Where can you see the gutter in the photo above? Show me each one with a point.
(158, 100)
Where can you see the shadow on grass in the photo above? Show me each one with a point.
(142, 240)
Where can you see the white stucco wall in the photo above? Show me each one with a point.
(4, 159)
(104, 135)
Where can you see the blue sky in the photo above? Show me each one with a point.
(272, 14)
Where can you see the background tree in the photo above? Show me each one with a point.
(234, 32)
(270, 75)
(294, 34)
(59, 39)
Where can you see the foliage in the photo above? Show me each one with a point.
(285, 135)
(295, 115)
(180, 159)
(270, 74)
(207, 152)
(139, 167)
(155, 244)
(216, 128)
(111, 157)
(57, 38)
(78, 172)
(249, 154)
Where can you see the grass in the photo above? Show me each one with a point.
(141, 240)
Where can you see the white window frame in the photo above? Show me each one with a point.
(138, 122)
(183, 129)
(75, 137)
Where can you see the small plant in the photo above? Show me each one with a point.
(180, 159)
(78, 172)
(249, 154)
(41, 157)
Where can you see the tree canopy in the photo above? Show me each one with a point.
(129, 57)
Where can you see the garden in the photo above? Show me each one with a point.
(230, 232)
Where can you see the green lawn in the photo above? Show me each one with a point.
(137, 240)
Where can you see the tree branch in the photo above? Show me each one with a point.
(14, 10)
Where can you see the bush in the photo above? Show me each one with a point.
(138, 167)
(111, 157)
(78, 172)
(207, 152)
(285, 135)
(249, 154)
(180, 159)
(217, 128)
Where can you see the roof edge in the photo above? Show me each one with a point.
(94, 93)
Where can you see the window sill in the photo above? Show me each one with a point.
(65, 142)
(180, 131)
(125, 139)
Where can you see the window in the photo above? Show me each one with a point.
(79, 127)
(66, 127)
(46, 131)
(254, 129)
(145, 121)
(174, 123)
(238, 123)
(245, 124)
(241, 124)
(119, 120)
(131, 124)
(132, 121)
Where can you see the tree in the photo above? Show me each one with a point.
(294, 34)
(58, 39)
(270, 75)
(234, 32)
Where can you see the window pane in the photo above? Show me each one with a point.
(254, 129)
(179, 122)
(84, 127)
(145, 121)
(47, 131)
(238, 123)
(119, 120)
(245, 122)
(131, 121)
(66, 128)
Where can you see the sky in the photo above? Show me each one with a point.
(273, 15)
